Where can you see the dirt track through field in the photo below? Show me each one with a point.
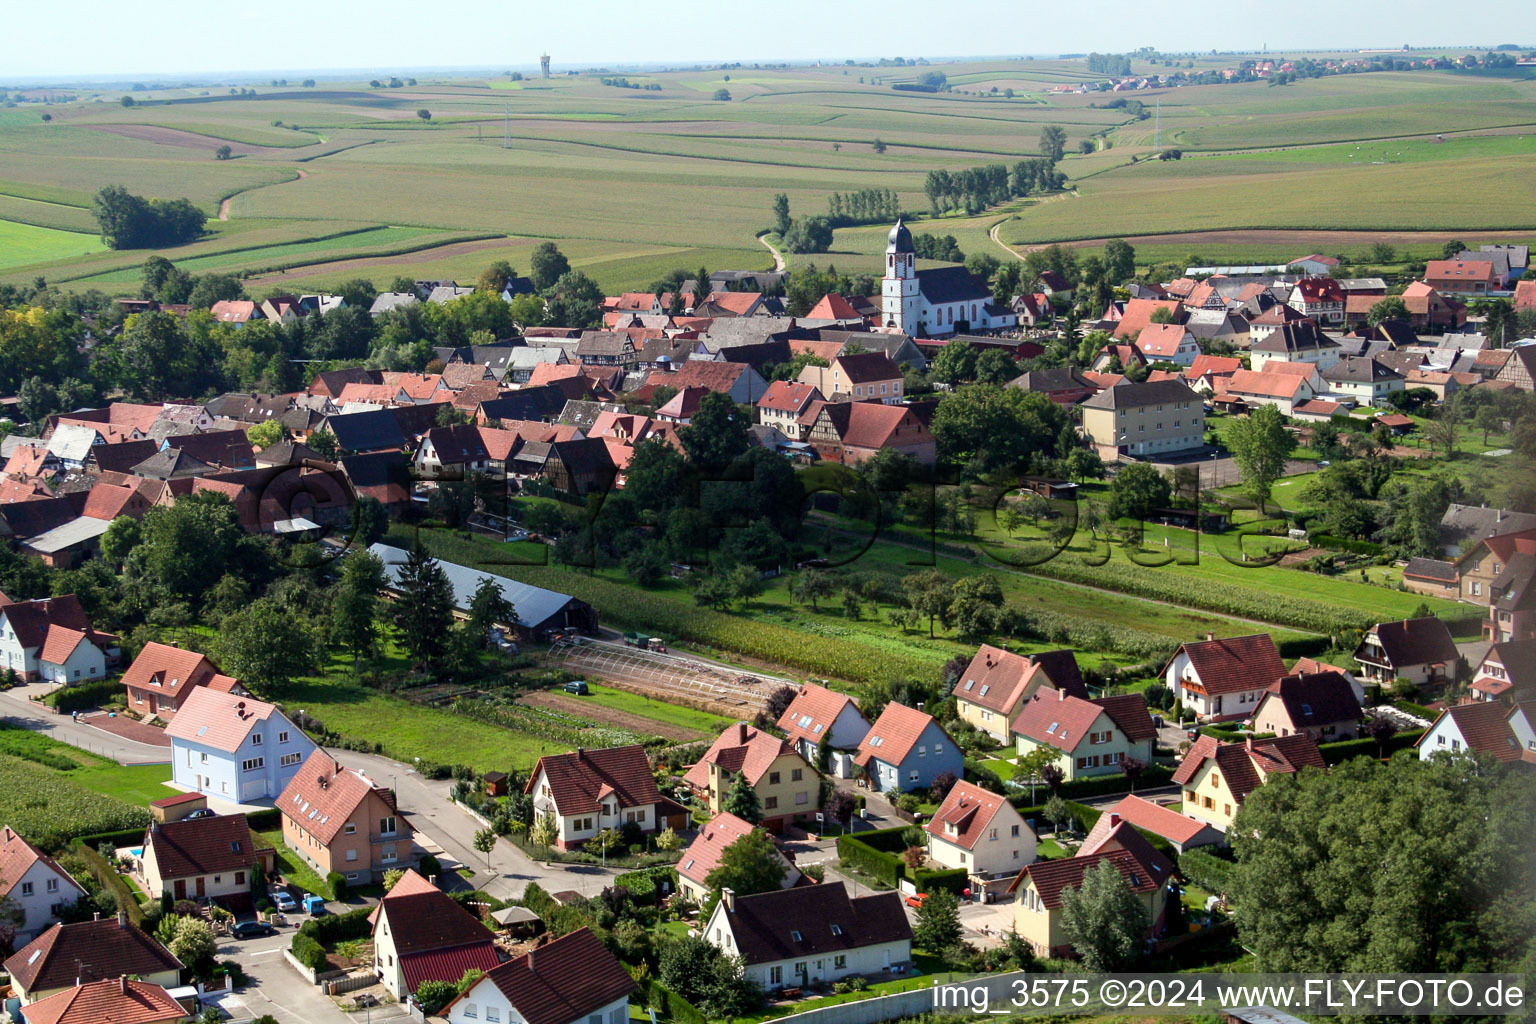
(609, 716)
(186, 140)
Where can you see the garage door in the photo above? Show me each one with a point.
(253, 790)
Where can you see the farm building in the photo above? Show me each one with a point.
(538, 610)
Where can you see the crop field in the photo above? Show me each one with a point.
(633, 183)
(50, 806)
(26, 244)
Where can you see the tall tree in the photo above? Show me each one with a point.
(938, 922)
(741, 800)
(1261, 445)
(547, 265)
(424, 613)
(1053, 142)
(489, 606)
(1136, 490)
(750, 865)
(781, 219)
(716, 434)
(265, 646)
(1104, 920)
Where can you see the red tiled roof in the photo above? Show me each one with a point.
(1484, 725)
(1246, 765)
(1525, 294)
(1057, 719)
(1316, 407)
(1053, 877)
(17, 857)
(1425, 641)
(1263, 383)
(893, 735)
(740, 303)
(422, 922)
(969, 810)
(168, 669)
(213, 845)
(578, 779)
(447, 964)
(832, 307)
(179, 798)
(1129, 712)
(703, 854)
(812, 713)
(740, 748)
(562, 981)
(1459, 270)
(863, 367)
(32, 621)
(218, 720)
(814, 920)
(788, 396)
(869, 425)
(1236, 663)
(67, 954)
(1161, 340)
(1138, 314)
(322, 797)
(109, 1001)
(1154, 818)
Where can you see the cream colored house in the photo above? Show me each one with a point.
(1322, 705)
(995, 685)
(703, 855)
(1094, 736)
(980, 832)
(1215, 778)
(787, 786)
(1146, 420)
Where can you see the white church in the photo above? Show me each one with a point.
(937, 302)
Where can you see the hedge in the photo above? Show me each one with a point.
(887, 840)
(307, 951)
(1337, 753)
(265, 821)
(669, 1004)
(644, 884)
(125, 837)
(334, 928)
(1104, 785)
(1303, 647)
(107, 875)
(1416, 710)
(1355, 547)
(953, 879)
(1206, 870)
(85, 696)
(885, 867)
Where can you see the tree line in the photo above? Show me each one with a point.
(976, 188)
(127, 221)
(866, 206)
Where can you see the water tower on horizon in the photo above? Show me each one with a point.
(544, 64)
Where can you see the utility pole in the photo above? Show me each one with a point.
(506, 128)
(1157, 130)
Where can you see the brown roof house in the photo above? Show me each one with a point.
(703, 855)
(787, 786)
(1419, 650)
(809, 935)
(1093, 736)
(119, 1000)
(420, 935)
(1502, 730)
(1223, 679)
(35, 884)
(980, 832)
(1037, 911)
(994, 687)
(571, 980)
(586, 791)
(67, 955)
(865, 376)
(818, 715)
(1217, 777)
(198, 858)
(1320, 704)
(851, 432)
(338, 819)
(162, 676)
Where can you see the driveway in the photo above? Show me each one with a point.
(276, 988)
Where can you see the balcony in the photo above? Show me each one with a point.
(388, 837)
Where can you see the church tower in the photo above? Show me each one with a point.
(898, 289)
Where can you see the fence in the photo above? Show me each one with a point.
(351, 983)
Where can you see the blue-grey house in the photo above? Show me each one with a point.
(906, 749)
(234, 748)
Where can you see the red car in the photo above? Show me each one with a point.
(916, 899)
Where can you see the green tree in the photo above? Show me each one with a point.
(1084, 464)
(668, 840)
(496, 277)
(485, 842)
(716, 434)
(1056, 811)
(488, 607)
(928, 594)
(265, 646)
(1032, 766)
(749, 865)
(879, 146)
(1136, 490)
(1489, 420)
(424, 613)
(121, 538)
(547, 265)
(781, 218)
(1261, 446)
(1381, 252)
(187, 546)
(544, 831)
(369, 521)
(1452, 248)
(810, 586)
(224, 152)
(424, 114)
(1119, 261)
(194, 942)
(741, 800)
(1053, 142)
(323, 442)
(265, 434)
(1104, 920)
(955, 362)
(938, 922)
(1390, 308)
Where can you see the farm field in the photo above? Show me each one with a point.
(27, 244)
(613, 707)
(634, 182)
(49, 806)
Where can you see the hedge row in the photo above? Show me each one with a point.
(887, 840)
(1104, 785)
(124, 837)
(1337, 753)
(334, 928)
(110, 880)
(1206, 870)
(953, 879)
(85, 696)
(884, 867)
(1084, 633)
(1354, 547)
(645, 884)
(668, 1004)
(307, 951)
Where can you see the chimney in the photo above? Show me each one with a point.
(122, 984)
(530, 962)
(1114, 821)
(1210, 636)
(741, 732)
(728, 897)
(1061, 695)
(1249, 744)
(122, 919)
(96, 916)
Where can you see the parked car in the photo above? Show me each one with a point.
(578, 687)
(916, 899)
(283, 900)
(202, 812)
(314, 905)
(252, 930)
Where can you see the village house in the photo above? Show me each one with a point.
(420, 934)
(1520, 368)
(162, 677)
(1203, 374)
(1362, 379)
(1217, 777)
(236, 748)
(120, 1000)
(865, 376)
(1223, 680)
(1320, 299)
(1137, 314)
(1093, 736)
(809, 935)
(1429, 310)
(587, 791)
(906, 749)
(1037, 916)
(1143, 420)
(1315, 264)
(787, 785)
(784, 403)
(1507, 673)
(203, 858)
(996, 684)
(1322, 705)
(50, 639)
(1167, 343)
(703, 855)
(852, 432)
(1483, 727)
(1182, 833)
(980, 832)
(338, 819)
(738, 380)
(34, 884)
(1062, 385)
(818, 715)
(452, 453)
(1463, 277)
(1419, 650)
(67, 955)
(570, 980)
(1298, 342)
(1284, 391)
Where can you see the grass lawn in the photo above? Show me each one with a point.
(22, 244)
(136, 784)
(1050, 849)
(922, 976)
(291, 867)
(657, 710)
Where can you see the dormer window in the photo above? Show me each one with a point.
(796, 936)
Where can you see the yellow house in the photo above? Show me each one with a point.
(1217, 777)
(996, 684)
(787, 786)
(1040, 887)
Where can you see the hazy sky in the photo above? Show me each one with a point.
(166, 37)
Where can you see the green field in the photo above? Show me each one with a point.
(634, 183)
(656, 710)
(28, 244)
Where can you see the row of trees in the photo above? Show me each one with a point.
(976, 188)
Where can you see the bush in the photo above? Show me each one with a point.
(1337, 753)
(885, 867)
(265, 821)
(1206, 870)
(645, 885)
(307, 951)
(1104, 785)
(953, 879)
(428, 867)
(1356, 547)
(337, 883)
(85, 696)
(334, 928)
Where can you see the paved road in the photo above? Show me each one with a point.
(276, 988)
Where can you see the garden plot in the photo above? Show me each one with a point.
(672, 677)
